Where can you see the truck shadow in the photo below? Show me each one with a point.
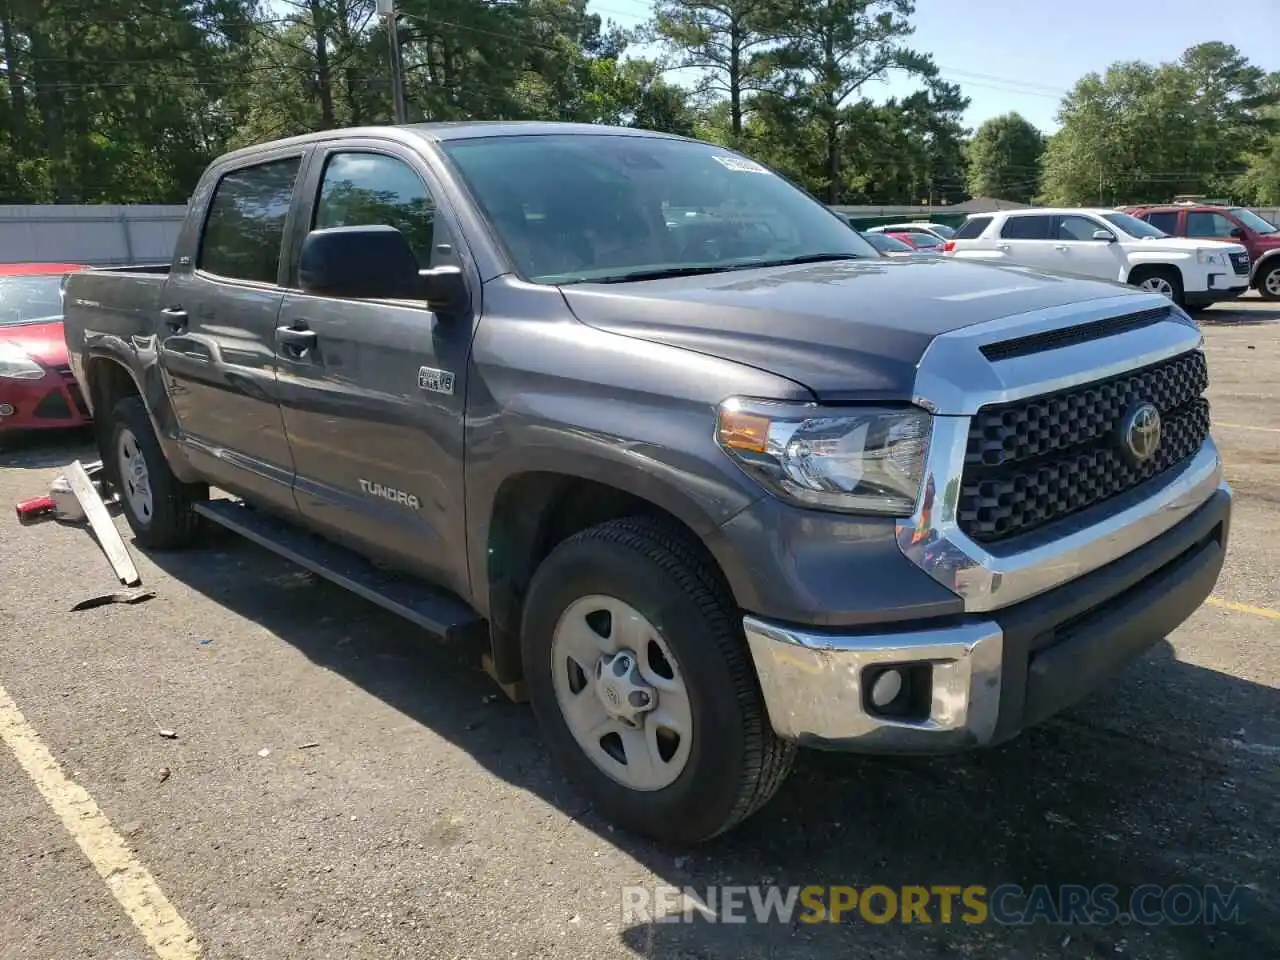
(1261, 312)
(1163, 777)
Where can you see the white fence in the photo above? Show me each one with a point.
(99, 235)
(105, 235)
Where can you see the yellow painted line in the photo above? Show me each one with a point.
(1245, 426)
(1265, 612)
(128, 880)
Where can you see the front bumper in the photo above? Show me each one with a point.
(988, 676)
(1217, 294)
(52, 402)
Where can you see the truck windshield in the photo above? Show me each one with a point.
(576, 208)
(30, 299)
(1252, 220)
(1133, 226)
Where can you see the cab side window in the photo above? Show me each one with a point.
(244, 229)
(368, 189)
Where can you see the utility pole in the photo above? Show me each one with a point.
(387, 11)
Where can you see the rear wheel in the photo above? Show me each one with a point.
(156, 503)
(642, 683)
(1163, 280)
(1268, 282)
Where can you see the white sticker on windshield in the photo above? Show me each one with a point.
(740, 164)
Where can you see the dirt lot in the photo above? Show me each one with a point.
(341, 787)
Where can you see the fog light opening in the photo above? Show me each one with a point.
(899, 691)
(886, 688)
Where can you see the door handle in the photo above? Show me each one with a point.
(296, 340)
(1060, 246)
(1003, 246)
(175, 319)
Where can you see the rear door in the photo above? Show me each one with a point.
(374, 407)
(217, 328)
(1027, 239)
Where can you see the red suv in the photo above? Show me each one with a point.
(1202, 221)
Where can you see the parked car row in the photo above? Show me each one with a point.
(37, 390)
(1107, 245)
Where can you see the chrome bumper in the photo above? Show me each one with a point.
(813, 686)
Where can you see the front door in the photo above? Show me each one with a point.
(373, 403)
(217, 333)
(1079, 253)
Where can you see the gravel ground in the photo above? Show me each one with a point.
(403, 811)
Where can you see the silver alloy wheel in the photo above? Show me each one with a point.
(1157, 285)
(135, 484)
(1272, 282)
(620, 692)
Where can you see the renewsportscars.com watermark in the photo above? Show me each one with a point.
(1008, 904)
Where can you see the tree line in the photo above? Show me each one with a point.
(110, 101)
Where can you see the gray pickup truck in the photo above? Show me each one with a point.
(704, 476)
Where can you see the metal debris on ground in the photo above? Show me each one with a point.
(163, 774)
(122, 596)
(34, 510)
(103, 528)
(167, 734)
(264, 752)
(307, 746)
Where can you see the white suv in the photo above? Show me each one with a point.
(939, 230)
(1108, 245)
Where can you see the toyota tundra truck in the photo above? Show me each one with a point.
(705, 477)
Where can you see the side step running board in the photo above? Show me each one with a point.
(432, 609)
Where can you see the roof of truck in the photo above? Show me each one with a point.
(459, 130)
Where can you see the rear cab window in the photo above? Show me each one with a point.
(972, 228)
(1164, 220)
(244, 227)
(1027, 227)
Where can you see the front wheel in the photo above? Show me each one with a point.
(1269, 282)
(1162, 280)
(156, 503)
(642, 683)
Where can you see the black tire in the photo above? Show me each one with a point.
(172, 524)
(1270, 273)
(1170, 274)
(736, 762)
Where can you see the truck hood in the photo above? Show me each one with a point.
(848, 330)
(41, 341)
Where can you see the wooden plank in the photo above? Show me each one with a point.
(103, 527)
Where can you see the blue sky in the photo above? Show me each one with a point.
(1024, 55)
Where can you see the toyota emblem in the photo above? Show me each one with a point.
(1140, 432)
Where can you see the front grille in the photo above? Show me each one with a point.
(1240, 263)
(52, 406)
(1031, 462)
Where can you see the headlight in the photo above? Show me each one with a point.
(857, 460)
(16, 365)
(1210, 256)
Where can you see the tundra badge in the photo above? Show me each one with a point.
(435, 381)
(387, 493)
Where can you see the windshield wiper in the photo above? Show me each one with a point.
(803, 258)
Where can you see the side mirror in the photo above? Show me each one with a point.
(1236, 233)
(1104, 235)
(360, 263)
(443, 288)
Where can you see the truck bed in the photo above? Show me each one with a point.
(112, 302)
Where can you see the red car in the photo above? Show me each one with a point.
(1232, 224)
(923, 242)
(37, 391)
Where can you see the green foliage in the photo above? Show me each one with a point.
(1144, 133)
(107, 101)
(1004, 159)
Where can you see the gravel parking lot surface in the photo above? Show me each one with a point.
(343, 787)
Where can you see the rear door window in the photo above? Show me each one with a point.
(972, 228)
(244, 229)
(1027, 228)
(1166, 220)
